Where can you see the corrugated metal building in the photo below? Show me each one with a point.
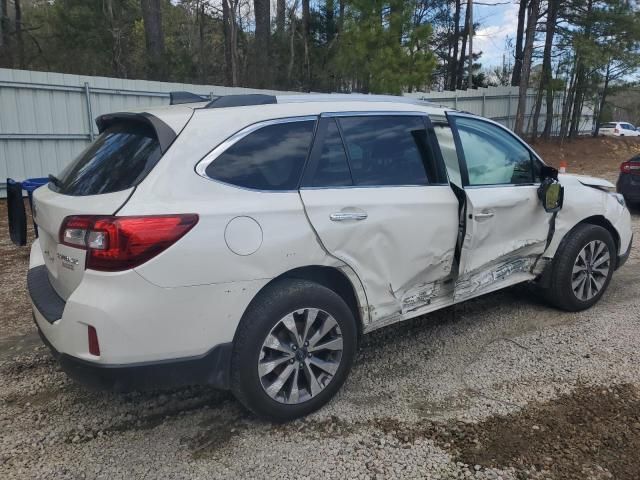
(46, 119)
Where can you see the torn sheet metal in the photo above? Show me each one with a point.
(495, 275)
(400, 246)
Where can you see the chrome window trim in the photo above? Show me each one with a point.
(374, 113)
(498, 185)
(340, 187)
(201, 166)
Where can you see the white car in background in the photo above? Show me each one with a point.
(618, 129)
(248, 243)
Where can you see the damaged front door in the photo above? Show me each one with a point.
(383, 206)
(506, 224)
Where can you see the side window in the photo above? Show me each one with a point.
(332, 169)
(493, 156)
(387, 150)
(271, 158)
(448, 149)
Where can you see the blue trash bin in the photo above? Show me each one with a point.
(29, 185)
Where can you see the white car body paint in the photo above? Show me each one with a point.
(401, 251)
(506, 231)
(582, 201)
(399, 260)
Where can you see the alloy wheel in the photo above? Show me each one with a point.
(300, 356)
(590, 270)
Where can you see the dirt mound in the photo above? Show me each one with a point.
(600, 156)
(591, 433)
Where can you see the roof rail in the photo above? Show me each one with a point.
(242, 100)
(351, 97)
(177, 98)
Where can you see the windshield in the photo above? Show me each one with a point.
(119, 159)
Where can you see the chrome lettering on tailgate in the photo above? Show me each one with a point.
(67, 261)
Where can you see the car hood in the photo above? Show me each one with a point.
(568, 179)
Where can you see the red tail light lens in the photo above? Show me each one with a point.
(615, 130)
(114, 244)
(632, 167)
(94, 346)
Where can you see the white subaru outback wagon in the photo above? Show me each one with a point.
(247, 243)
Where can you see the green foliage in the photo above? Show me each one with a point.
(382, 50)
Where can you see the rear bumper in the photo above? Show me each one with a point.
(212, 368)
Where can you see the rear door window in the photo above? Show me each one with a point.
(270, 158)
(388, 150)
(119, 159)
(332, 169)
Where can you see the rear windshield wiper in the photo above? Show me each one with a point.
(55, 180)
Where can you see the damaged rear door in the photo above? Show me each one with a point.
(506, 226)
(378, 199)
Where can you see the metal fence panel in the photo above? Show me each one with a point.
(46, 119)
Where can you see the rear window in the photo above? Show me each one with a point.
(608, 125)
(119, 159)
(270, 158)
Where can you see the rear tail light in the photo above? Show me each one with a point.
(94, 346)
(615, 130)
(631, 167)
(120, 243)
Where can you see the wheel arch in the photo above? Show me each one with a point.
(334, 279)
(599, 220)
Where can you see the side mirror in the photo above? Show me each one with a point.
(552, 195)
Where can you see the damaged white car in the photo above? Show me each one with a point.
(248, 242)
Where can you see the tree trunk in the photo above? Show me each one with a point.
(202, 57)
(230, 30)
(463, 49)
(19, 38)
(154, 37)
(517, 65)
(281, 7)
(306, 23)
(532, 17)
(546, 75)
(602, 99)
(576, 110)
(292, 50)
(568, 101)
(340, 14)
(6, 59)
(261, 62)
(453, 67)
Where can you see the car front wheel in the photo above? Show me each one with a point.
(582, 268)
(293, 350)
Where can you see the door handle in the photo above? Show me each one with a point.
(481, 216)
(344, 216)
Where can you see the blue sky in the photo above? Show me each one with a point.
(497, 22)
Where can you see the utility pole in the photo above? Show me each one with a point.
(470, 26)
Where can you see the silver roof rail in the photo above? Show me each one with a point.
(350, 97)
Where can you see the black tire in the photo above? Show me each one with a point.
(265, 311)
(560, 292)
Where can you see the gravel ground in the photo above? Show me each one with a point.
(499, 387)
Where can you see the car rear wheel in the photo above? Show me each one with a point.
(582, 268)
(293, 350)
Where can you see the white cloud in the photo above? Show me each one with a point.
(496, 24)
